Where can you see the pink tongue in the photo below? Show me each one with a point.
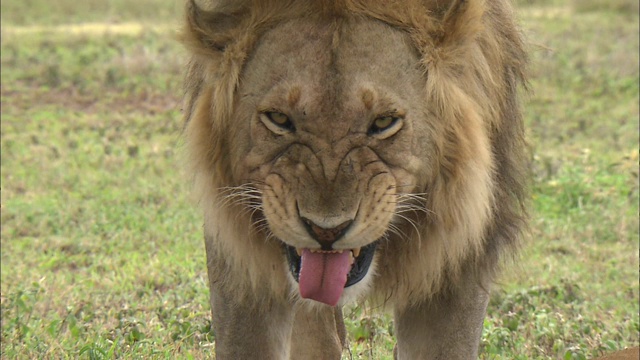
(323, 275)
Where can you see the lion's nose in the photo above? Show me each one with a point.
(326, 237)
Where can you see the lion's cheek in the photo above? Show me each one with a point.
(281, 213)
(255, 148)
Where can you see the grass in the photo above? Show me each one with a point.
(43, 12)
(101, 249)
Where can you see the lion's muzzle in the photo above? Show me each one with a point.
(323, 275)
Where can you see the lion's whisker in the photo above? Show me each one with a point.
(412, 223)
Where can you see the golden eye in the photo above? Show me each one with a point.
(278, 118)
(383, 123)
(277, 122)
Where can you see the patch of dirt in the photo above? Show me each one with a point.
(25, 96)
(128, 28)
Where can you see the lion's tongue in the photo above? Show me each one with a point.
(323, 275)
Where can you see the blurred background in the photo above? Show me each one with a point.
(101, 248)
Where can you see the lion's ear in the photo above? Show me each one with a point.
(461, 20)
(211, 30)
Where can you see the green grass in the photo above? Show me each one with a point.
(43, 12)
(102, 253)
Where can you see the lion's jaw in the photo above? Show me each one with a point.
(335, 165)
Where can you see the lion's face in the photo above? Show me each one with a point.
(332, 134)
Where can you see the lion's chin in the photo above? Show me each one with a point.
(323, 275)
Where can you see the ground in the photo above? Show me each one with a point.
(101, 248)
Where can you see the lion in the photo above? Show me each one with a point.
(346, 151)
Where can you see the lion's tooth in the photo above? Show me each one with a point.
(333, 251)
(356, 252)
(299, 251)
(351, 258)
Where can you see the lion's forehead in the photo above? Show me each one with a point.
(328, 66)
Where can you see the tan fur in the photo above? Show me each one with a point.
(447, 197)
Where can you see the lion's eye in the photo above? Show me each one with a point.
(382, 123)
(277, 122)
(279, 119)
(385, 126)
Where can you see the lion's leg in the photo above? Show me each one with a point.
(318, 333)
(245, 326)
(249, 331)
(342, 330)
(448, 327)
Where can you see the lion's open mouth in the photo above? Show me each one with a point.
(323, 275)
